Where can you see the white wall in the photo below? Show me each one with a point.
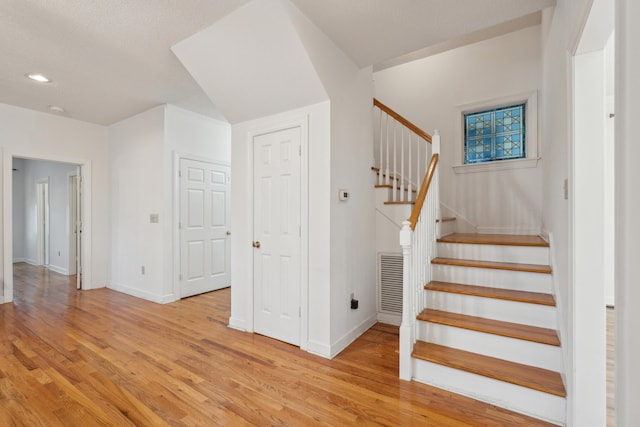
(427, 92)
(563, 25)
(141, 154)
(627, 94)
(57, 174)
(31, 134)
(19, 213)
(589, 330)
(137, 179)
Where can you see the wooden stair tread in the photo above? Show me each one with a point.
(495, 293)
(495, 239)
(490, 326)
(532, 268)
(391, 186)
(515, 373)
(446, 219)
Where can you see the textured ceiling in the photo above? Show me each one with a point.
(110, 59)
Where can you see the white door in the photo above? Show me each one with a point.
(276, 225)
(204, 227)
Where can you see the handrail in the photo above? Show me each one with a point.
(415, 129)
(422, 195)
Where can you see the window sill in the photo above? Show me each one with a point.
(497, 165)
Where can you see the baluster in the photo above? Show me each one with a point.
(410, 177)
(395, 163)
(402, 196)
(386, 132)
(380, 174)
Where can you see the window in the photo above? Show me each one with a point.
(497, 134)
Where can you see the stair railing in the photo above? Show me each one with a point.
(418, 241)
(402, 152)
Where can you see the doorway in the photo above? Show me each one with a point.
(38, 222)
(592, 213)
(277, 280)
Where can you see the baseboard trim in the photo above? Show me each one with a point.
(59, 270)
(319, 349)
(238, 324)
(136, 292)
(390, 319)
(352, 335)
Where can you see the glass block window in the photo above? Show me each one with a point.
(497, 134)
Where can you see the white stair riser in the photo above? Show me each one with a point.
(506, 279)
(447, 227)
(512, 349)
(498, 253)
(535, 403)
(490, 308)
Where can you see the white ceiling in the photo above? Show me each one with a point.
(110, 59)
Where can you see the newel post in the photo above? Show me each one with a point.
(406, 328)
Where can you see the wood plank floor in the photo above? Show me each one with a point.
(83, 358)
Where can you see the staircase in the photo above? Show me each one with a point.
(489, 329)
(478, 313)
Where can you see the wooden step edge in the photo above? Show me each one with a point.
(532, 377)
(495, 293)
(391, 186)
(446, 219)
(495, 239)
(400, 203)
(490, 326)
(511, 266)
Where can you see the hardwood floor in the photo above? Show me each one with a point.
(81, 358)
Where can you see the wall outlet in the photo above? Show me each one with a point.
(354, 304)
(343, 195)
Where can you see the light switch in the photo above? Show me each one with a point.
(343, 195)
(154, 218)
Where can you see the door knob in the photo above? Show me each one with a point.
(228, 233)
(256, 245)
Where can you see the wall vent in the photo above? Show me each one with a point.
(390, 283)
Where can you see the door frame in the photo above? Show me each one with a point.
(177, 156)
(7, 206)
(43, 245)
(301, 121)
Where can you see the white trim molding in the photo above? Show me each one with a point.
(530, 99)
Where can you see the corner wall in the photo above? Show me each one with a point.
(141, 153)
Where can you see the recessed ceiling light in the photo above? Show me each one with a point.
(38, 78)
(56, 108)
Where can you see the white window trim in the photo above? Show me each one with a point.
(531, 123)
